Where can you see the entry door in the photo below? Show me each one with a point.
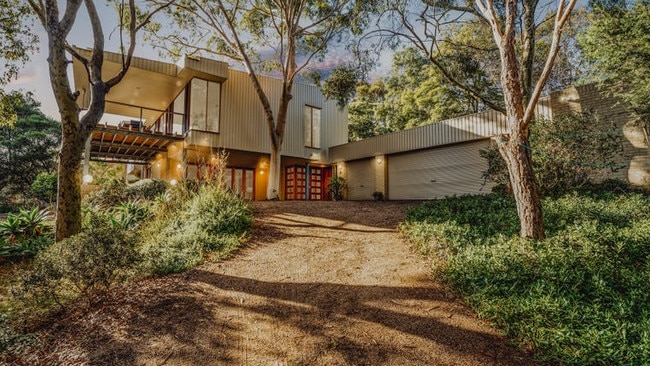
(295, 182)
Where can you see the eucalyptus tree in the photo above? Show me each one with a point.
(264, 36)
(513, 26)
(58, 19)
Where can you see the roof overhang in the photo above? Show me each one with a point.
(148, 87)
(125, 145)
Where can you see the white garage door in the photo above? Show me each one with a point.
(440, 172)
(361, 179)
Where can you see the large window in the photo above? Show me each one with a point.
(204, 105)
(312, 127)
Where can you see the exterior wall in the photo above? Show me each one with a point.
(467, 128)
(243, 123)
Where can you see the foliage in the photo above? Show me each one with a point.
(210, 221)
(28, 147)
(568, 151)
(25, 233)
(337, 186)
(618, 45)
(88, 263)
(17, 39)
(146, 189)
(44, 187)
(341, 84)
(581, 296)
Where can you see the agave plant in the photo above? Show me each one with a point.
(11, 229)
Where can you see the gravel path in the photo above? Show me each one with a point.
(321, 283)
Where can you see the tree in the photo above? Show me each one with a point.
(17, 40)
(618, 45)
(513, 26)
(28, 147)
(265, 36)
(75, 129)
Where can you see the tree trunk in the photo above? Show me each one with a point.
(68, 203)
(275, 171)
(524, 186)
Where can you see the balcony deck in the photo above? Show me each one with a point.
(115, 144)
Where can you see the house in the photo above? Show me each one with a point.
(180, 118)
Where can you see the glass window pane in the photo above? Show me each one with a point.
(214, 90)
(315, 127)
(238, 182)
(179, 113)
(249, 184)
(198, 95)
(307, 126)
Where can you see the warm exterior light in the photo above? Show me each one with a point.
(87, 179)
(261, 172)
(379, 160)
(173, 182)
(179, 166)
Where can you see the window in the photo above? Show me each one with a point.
(312, 127)
(204, 105)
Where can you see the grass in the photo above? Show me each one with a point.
(579, 297)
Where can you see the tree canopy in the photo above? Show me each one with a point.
(618, 44)
(29, 146)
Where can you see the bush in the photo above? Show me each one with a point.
(212, 222)
(25, 233)
(581, 296)
(84, 264)
(568, 152)
(44, 187)
(147, 189)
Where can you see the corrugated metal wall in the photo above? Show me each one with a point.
(440, 172)
(243, 122)
(361, 179)
(466, 128)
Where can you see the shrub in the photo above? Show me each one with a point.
(336, 186)
(212, 221)
(84, 264)
(568, 152)
(147, 189)
(25, 233)
(44, 187)
(581, 296)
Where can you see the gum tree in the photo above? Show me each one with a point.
(265, 36)
(58, 19)
(513, 26)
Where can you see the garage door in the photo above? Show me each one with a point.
(436, 173)
(361, 180)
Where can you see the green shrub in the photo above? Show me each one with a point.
(567, 151)
(147, 189)
(25, 233)
(84, 264)
(208, 221)
(112, 193)
(581, 296)
(44, 187)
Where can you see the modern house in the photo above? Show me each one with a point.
(180, 118)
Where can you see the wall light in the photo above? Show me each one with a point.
(378, 160)
(179, 166)
(173, 182)
(87, 179)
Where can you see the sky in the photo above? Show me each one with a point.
(34, 75)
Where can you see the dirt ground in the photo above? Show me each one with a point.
(319, 283)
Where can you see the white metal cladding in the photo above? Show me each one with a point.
(461, 129)
(440, 172)
(361, 179)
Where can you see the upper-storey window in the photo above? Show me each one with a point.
(312, 126)
(205, 98)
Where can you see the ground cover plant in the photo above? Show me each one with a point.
(581, 296)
